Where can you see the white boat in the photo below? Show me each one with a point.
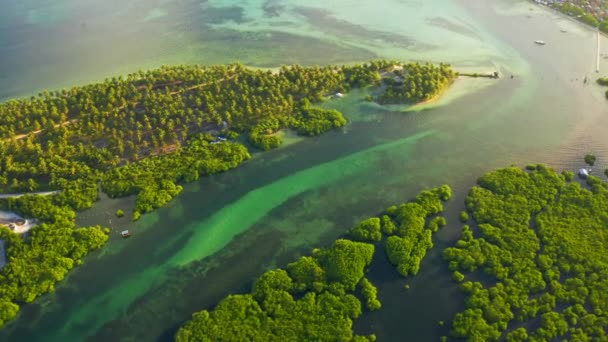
(539, 42)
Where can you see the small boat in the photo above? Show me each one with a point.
(221, 138)
(563, 31)
(125, 234)
(539, 42)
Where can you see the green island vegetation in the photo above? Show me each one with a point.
(414, 82)
(317, 297)
(463, 216)
(534, 265)
(590, 159)
(413, 237)
(603, 81)
(120, 213)
(145, 133)
(44, 257)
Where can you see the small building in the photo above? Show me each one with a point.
(2, 254)
(583, 173)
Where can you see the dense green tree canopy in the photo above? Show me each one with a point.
(590, 159)
(542, 240)
(316, 298)
(44, 257)
(416, 82)
(279, 310)
(148, 132)
(118, 131)
(414, 238)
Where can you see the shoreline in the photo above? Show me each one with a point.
(569, 17)
(437, 96)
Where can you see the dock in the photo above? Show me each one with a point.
(494, 74)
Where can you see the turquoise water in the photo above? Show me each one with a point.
(50, 44)
(226, 229)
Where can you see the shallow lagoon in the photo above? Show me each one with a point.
(226, 229)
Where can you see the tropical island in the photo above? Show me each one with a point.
(147, 133)
(144, 134)
(531, 261)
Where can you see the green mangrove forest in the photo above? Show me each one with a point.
(145, 134)
(44, 257)
(317, 297)
(531, 262)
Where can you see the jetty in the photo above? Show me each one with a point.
(494, 74)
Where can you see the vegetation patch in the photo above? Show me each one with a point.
(150, 131)
(46, 255)
(315, 298)
(540, 243)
